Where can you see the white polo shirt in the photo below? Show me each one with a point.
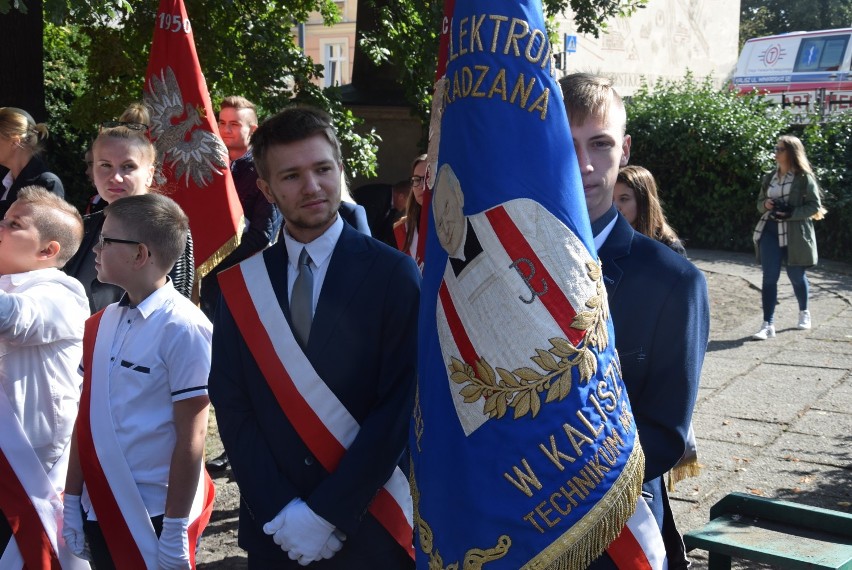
(160, 355)
(42, 314)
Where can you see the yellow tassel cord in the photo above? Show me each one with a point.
(683, 470)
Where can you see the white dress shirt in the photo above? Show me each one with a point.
(160, 355)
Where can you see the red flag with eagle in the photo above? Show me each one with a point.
(192, 156)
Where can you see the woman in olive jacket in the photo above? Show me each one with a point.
(789, 202)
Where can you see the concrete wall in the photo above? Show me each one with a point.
(400, 132)
(662, 40)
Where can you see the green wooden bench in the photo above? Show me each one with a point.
(784, 534)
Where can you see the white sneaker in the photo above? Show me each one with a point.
(804, 320)
(765, 332)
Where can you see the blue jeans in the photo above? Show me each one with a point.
(771, 257)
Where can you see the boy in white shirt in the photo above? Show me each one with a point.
(42, 312)
(140, 433)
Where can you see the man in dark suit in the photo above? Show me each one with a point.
(313, 373)
(658, 300)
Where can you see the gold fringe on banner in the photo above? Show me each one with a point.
(220, 254)
(589, 537)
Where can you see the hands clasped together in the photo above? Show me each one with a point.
(304, 535)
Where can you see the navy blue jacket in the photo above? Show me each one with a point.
(660, 310)
(34, 173)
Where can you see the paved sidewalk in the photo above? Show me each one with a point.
(774, 417)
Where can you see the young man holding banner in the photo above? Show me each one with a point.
(658, 300)
(313, 372)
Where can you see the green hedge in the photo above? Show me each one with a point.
(708, 149)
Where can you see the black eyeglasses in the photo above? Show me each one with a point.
(129, 124)
(780, 149)
(416, 181)
(102, 240)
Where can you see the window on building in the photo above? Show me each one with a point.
(335, 61)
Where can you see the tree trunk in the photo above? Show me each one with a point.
(371, 83)
(22, 72)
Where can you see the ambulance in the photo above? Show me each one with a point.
(803, 72)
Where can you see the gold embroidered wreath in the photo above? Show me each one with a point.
(522, 387)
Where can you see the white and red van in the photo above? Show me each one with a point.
(801, 71)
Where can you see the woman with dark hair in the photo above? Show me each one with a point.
(407, 229)
(788, 203)
(125, 164)
(637, 199)
(21, 141)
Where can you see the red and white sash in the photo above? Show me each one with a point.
(322, 421)
(31, 500)
(640, 545)
(122, 515)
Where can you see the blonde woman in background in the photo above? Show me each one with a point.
(788, 203)
(21, 141)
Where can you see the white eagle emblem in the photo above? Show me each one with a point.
(200, 157)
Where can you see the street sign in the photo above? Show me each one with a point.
(570, 43)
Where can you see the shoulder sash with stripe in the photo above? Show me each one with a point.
(320, 419)
(30, 499)
(123, 518)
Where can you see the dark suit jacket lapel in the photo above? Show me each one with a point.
(349, 265)
(616, 246)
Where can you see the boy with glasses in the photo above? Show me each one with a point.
(145, 366)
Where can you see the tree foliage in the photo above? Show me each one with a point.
(767, 17)
(65, 80)
(708, 149)
(245, 47)
(409, 33)
(829, 148)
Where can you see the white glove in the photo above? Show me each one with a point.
(302, 533)
(174, 544)
(72, 527)
(334, 544)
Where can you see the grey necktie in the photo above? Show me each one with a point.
(302, 299)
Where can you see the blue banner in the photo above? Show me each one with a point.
(523, 443)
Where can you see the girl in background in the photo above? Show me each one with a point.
(21, 141)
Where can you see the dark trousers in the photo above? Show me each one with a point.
(98, 547)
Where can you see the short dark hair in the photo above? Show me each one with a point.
(55, 219)
(155, 220)
(291, 125)
(586, 95)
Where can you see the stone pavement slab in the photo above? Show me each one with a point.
(773, 417)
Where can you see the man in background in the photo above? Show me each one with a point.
(237, 122)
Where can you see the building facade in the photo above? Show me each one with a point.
(333, 47)
(664, 40)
